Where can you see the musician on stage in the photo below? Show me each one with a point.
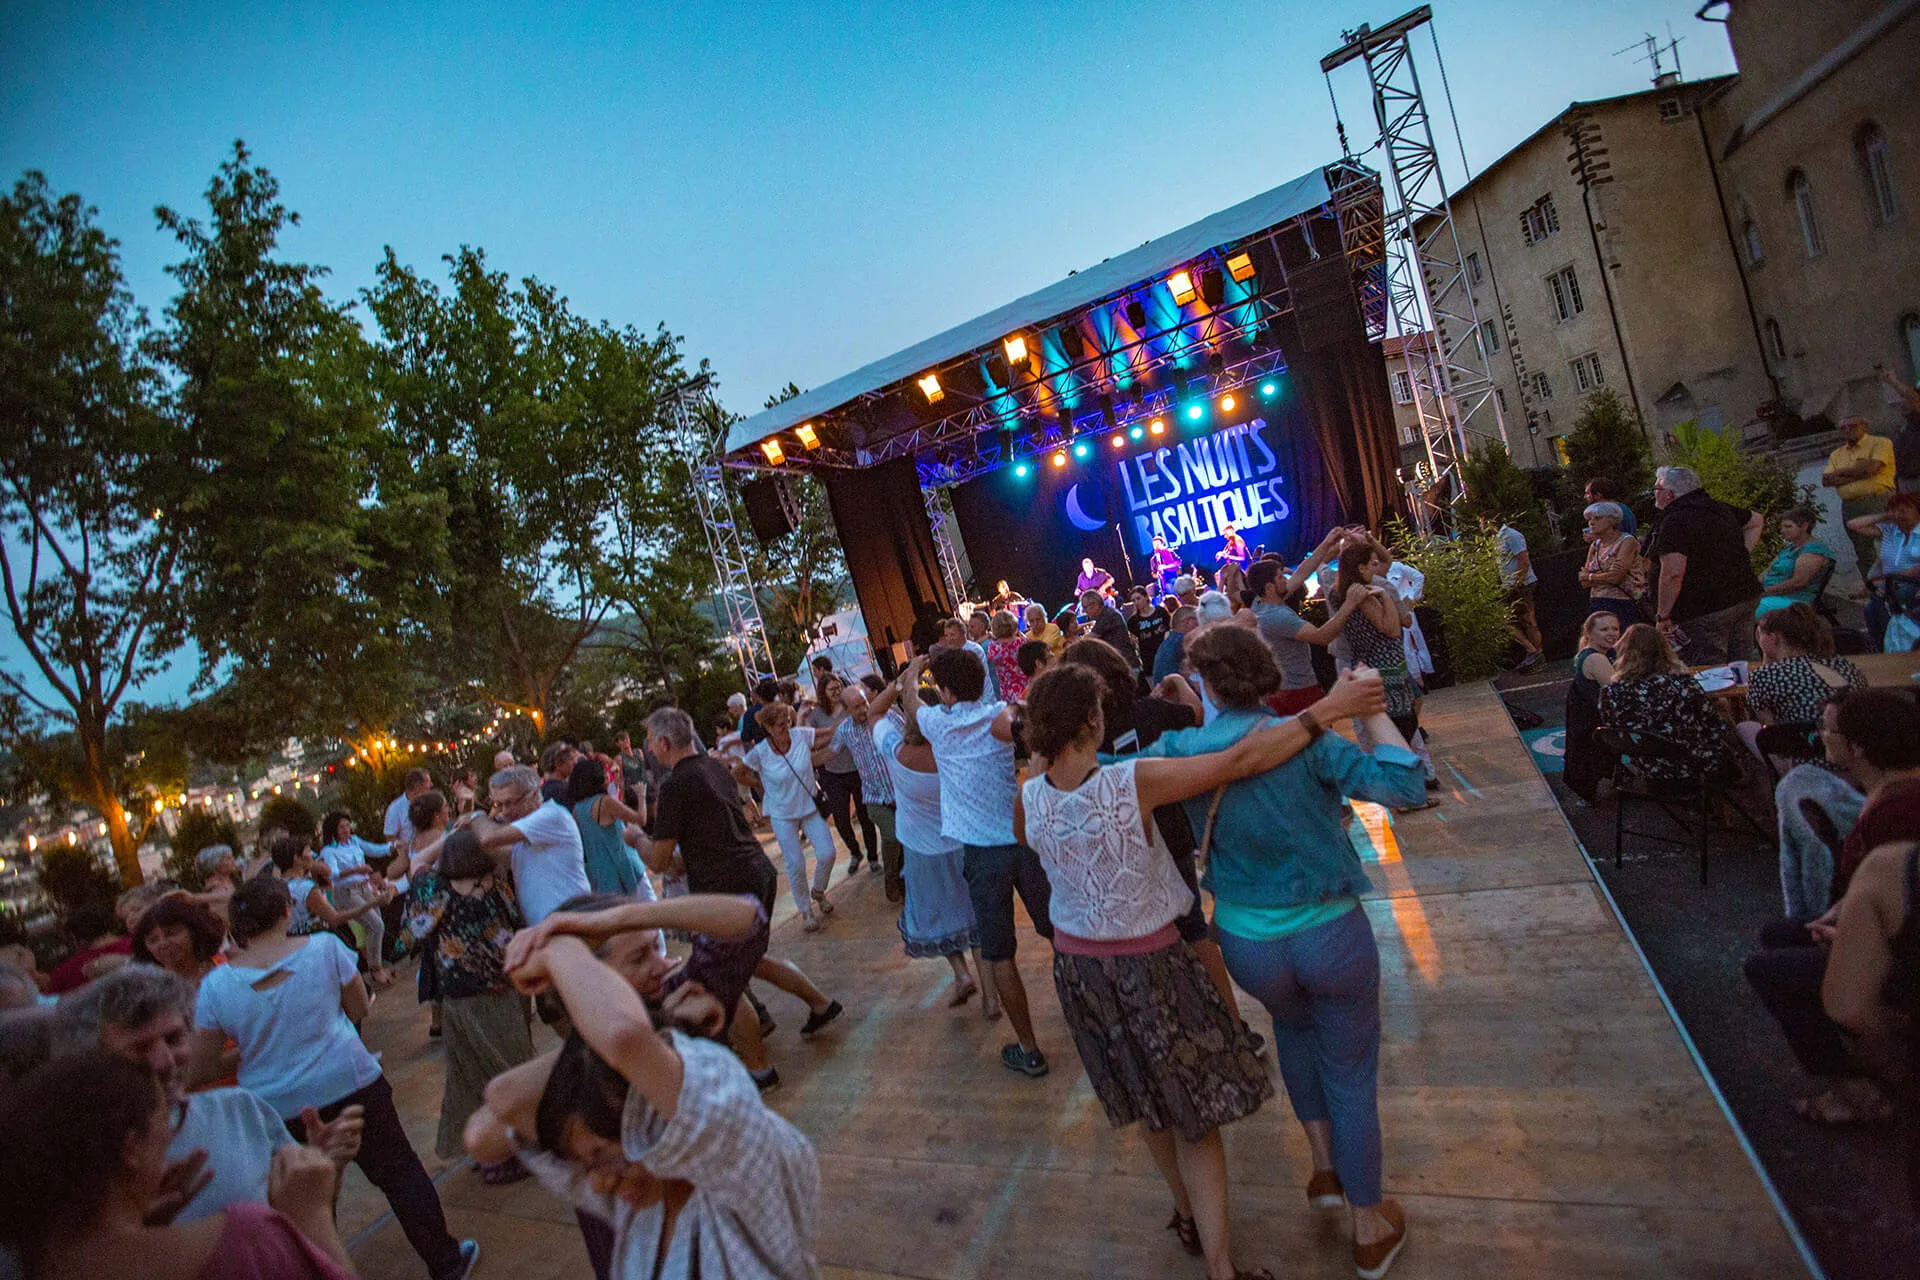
(1235, 550)
(1165, 565)
(1092, 579)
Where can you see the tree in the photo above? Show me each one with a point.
(1499, 491)
(543, 431)
(1606, 441)
(802, 574)
(91, 530)
(315, 569)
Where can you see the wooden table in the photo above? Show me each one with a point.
(1888, 670)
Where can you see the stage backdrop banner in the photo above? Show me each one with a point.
(1264, 474)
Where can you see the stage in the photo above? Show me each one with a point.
(1542, 1114)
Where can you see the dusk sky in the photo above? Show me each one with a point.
(795, 189)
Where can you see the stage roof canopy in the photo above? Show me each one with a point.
(1091, 356)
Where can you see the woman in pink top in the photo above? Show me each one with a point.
(98, 1194)
(1158, 1041)
(1003, 655)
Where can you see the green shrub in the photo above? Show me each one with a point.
(289, 815)
(1501, 492)
(197, 829)
(1464, 588)
(1607, 441)
(71, 875)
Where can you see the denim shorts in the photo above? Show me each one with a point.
(995, 872)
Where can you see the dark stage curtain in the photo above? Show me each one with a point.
(882, 521)
(1340, 391)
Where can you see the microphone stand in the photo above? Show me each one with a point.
(1126, 561)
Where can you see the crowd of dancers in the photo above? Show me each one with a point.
(191, 1101)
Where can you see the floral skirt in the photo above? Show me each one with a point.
(937, 919)
(1158, 1042)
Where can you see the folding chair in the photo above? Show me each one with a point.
(1635, 749)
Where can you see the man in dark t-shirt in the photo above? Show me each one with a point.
(1706, 586)
(700, 817)
(1148, 623)
(1105, 623)
(765, 694)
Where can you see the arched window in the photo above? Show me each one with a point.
(1910, 339)
(1801, 192)
(1870, 149)
(1776, 343)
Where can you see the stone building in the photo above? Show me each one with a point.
(1599, 257)
(1400, 376)
(1818, 145)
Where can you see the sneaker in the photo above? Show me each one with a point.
(820, 901)
(810, 922)
(469, 1259)
(815, 1021)
(766, 1081)
(1433, 784)
(1372, 1260)
(1014, 1058)
(1324, 1192)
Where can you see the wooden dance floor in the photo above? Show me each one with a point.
(1542, 1116)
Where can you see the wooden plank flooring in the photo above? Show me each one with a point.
(1541, 1115)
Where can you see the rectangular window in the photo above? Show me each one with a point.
(1489, 336)
(1586, 372)
(1539, 222)
(1500, 394)
(1402, 387)
(1542, 389)
(1566, 293)
(1410, 433)
(1473, 267)
(1670, 109)
(1549, 216)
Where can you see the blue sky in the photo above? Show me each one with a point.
(794, 188)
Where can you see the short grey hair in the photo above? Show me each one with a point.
(520, 777)
(673, 724)
(130, 997)
(208, 858)
(1184, 614)
(1183, 584)
(1679, 481)
(737, 703)
(1090, 597)
(1214, 607)
(1606, 510)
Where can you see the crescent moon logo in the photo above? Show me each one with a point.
(1076, 513)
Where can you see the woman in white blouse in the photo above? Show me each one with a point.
(782, 765)
(1158, 1041)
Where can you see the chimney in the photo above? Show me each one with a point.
(1666, 79)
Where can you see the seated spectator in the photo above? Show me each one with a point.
(1794, 576)
(1652, 692)
(1592, 672)
(1034, 656)
(1800, 674)
(96, 1198)
(1872, 977)
(145, 1015)
(1894, 577)
(1874, 736)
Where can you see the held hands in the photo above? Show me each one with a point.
(523, 944)
(183, 1180)
(337, 1139)
(1358, 693)
(300, 1181)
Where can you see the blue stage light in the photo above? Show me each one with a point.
(1022, 470)
(1267, 390)
(1080, 450)
(1195, 412)
(1137, 432)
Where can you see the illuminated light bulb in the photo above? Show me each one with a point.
(1158, 426)
(1240, 266)
(1016, 349)
(930, 388)
(1268, 388)
(807, 435)
(1194, 411)
(775, 454)
(1022, 470)
(1227, 403)
(1060, 459)
(1080, 450)
(1136, 432)
(1180, 284)
(1119, 441)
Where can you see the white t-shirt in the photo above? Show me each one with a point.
(756, 1179)
(549, 865)
(788, 780)
(399, 820)
(976, 772)
(916, 796)
(299, 919)
(239, 1132)
(297, 1048)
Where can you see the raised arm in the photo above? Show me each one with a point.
(1326, 632)
(722, 917)
(613, 808)
(1330, 546)
(609, 1016)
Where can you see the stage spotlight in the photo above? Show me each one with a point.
(1119, 441)
(1227, 403)
(1060, 458)
(1180, 285)
(1080, 450)
(1136, 432)
(1106, 412)
(1137, 315)
(930, 386)
(1016, 349)
(1158, 426)
(807, 436)
(1022, 470)
(1196, 411)
(775, 454)
(1240, 266)
(1213, 287)
(1267, 389)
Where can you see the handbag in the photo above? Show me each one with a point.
(820, 804)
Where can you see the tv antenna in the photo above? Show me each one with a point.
(1656, 55)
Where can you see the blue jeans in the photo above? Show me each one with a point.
(1322, 987)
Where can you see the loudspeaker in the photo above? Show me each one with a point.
(772, 509)
(1323, 302)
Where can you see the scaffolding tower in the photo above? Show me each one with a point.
(939, 512)
(1428, 287)
(732, 574)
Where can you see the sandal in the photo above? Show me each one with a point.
(820, 901)
(1837, 1112)
(1189, 1232)
(962, 992)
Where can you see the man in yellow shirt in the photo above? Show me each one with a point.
(1860, 471)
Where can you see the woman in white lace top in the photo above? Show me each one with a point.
(1158, 1041)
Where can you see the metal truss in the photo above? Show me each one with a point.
(939, 509)
(732, 574)
(1427, 285)
(1360, 209)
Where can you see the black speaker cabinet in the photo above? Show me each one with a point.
(772, 509)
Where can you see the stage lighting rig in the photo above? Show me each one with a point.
(1196, 411)
(1136, 431)
(1021, 470)
(1240, 266)
(1228, 403)
(1080, 449)
(1060, 458)
(807, 435)
(775, 454)
(1016, 350)
(930, 387)
(1158, 426)
(1269, 389)
(1180, 285)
